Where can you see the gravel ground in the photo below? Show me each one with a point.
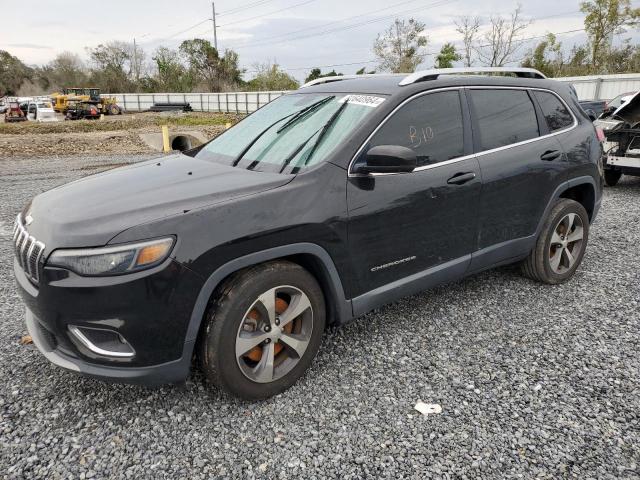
(534, 381)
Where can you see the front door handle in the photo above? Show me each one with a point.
(550, 155)
(461, 178)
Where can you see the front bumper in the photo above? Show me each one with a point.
(170, 372)
(151, 310)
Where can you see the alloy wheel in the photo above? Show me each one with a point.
(566, 243)
(274, 334)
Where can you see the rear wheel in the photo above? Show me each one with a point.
(612, 177)
(561, 245)
(263, 330)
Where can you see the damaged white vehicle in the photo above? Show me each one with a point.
(621, 129)
(40, 110)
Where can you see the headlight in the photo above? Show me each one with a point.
(114, 260)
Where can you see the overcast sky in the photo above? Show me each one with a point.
(298, 34)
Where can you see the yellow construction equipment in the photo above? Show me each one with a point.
(105, 105)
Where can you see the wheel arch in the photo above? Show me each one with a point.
(583, 191)
(310, 256)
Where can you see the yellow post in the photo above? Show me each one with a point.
(166, 147)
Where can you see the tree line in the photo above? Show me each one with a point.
(196, 65)
(403, 46)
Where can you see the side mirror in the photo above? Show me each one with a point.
(389, 159)
(592, 115)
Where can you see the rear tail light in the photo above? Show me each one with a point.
(601, 135)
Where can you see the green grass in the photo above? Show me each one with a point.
(218, 119)
(125, 122)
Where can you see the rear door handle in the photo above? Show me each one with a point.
(550, 155)
(460, 178)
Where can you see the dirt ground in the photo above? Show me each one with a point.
(117, 134)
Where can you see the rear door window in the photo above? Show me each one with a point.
(502, 117)
(431, 125)
(554, 111)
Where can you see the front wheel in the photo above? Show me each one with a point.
(263, 330)
(561, 245)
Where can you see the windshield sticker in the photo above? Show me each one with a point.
(366, 100)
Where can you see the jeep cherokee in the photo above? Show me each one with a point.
(328, 202)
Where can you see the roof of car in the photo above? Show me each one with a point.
(390, 84)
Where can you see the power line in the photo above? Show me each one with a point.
(363, 62)
(178, 33)
(339, 21)
(425, 54)
(430, 54)
(348, 27)
(522, 40)
(267, 14)
(322, 66)
(244, 7)
(533, 20)
(336, 21)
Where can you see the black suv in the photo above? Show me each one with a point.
(326, 203)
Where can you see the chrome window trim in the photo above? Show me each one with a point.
(95, 349)
(466, 157)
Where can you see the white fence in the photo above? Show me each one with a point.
(231, 102)
(604, 87)
(601, 87)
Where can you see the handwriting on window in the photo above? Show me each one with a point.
(420, 135)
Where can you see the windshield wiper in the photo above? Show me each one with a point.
(253, 142)
(324, 131)
(298, 149)
(294, 116)
(304, 111)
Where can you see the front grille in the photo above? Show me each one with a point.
(28, 250)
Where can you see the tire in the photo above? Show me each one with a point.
(238, 317)
(543, 264)
(114, 110)
(612, 177)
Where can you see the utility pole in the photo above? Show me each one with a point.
(215, 33)
(135, 60)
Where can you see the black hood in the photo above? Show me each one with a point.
(92, 210)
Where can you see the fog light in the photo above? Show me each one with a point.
(103, 342)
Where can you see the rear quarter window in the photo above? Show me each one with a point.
(555, 113)
(502, 117)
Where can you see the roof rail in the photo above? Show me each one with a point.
(435, 73)
(337, 78)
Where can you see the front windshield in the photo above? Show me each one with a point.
(291, 133)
